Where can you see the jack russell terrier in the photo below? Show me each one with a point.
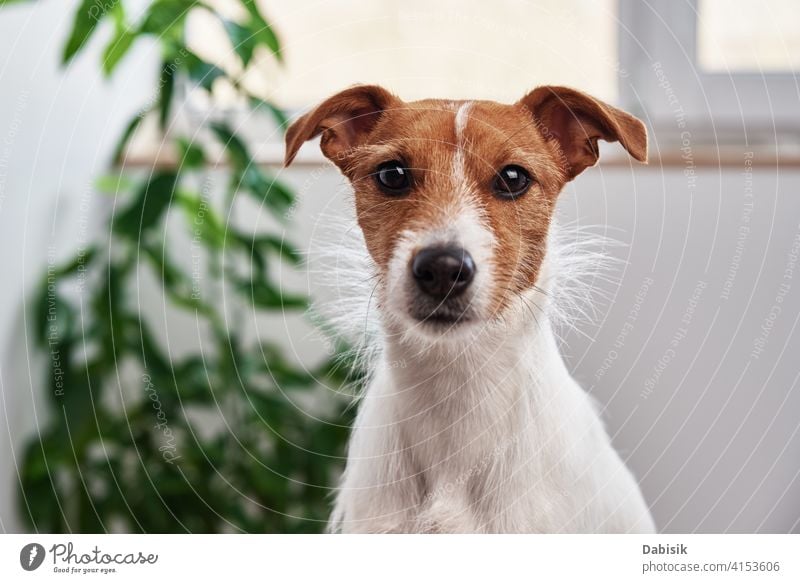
(482, 429)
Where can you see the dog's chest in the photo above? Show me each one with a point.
(463, 428)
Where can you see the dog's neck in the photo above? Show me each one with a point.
(493, 356)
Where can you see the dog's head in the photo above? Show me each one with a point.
(455, 198)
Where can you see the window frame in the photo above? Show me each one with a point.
(649, 33)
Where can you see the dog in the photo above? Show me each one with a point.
(470, 421)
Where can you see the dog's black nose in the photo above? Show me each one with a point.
(443, 272)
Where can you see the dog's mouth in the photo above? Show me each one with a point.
(443, 319)
(442, 316)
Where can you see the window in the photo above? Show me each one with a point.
(723, 64)
(418, 48)
(736, 36)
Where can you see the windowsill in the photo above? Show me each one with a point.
(697, 144)
(661, 156)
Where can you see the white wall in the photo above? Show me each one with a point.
(715, 437)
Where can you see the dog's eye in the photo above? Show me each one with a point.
(511, 182)
(393, 177)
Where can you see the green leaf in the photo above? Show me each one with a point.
(87, 17)
(78, 263)
(263, 31)
(79, 405)
(166, 89)
(202, 72)
(254, 33)
(203, 220)
(268, 359)
(271, 407)
(54, 317)
(263, 294)
(4, 2)
(270, 243)
(165, 17)
(142, 343)
(121, 41)
(277, 113)
(191, 154)
(119, 150)
(173, 279)
(177, 285)
(266, 35)
(270, 191)
(243, 40)
(269, 484)
(116, 49)
(107, 307)
(148, 207)
(236, 149)
(114, 183)
(39, 497)
(278, 198)
(285, 249)
(280, 245)
(195, 383)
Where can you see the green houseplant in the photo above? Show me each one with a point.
(140, 465)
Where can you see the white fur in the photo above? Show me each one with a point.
(486, 432)
(473, 442)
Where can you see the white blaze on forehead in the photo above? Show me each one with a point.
(461, 117)
(464, 221)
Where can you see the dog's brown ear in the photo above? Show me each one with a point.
(577, 120)
(344, 120)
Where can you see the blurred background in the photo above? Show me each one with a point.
(159, 369)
